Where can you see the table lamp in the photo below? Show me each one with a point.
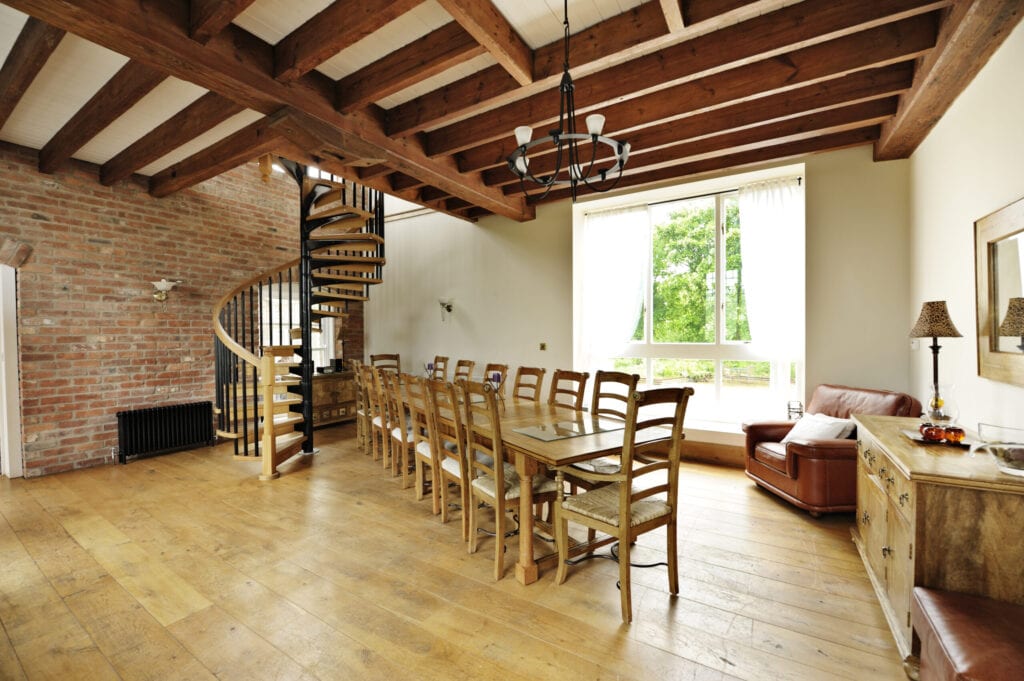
(1013, 322)
(934, 321)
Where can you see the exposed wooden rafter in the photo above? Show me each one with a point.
(34, 45)
(207, 18)
(492, 31)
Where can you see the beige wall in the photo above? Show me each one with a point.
(512, 283)
(969, 166)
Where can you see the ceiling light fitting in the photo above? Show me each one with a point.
(569, 145)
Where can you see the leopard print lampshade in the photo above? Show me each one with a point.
(934, 322)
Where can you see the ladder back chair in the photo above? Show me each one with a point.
(501, 371)
(362, 414)
(400, 427)
(568, 388)
(448, 443)
(529, 383)
(494, 481)
(425, 474)
(375, 412)
(439, 371)
(387, 362)
(463, 370)
(639, 498)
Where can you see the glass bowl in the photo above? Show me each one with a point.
(1005, 444)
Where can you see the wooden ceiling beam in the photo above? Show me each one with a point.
(341, 24)
(854, 87)
(373, 171)
(432, 54)
(401, 181)
(827, 122)
(248, 143)
(596, 47)
(36, 42)
(130, 84)
(673, 11)
(776, 153)
(207, 18)
(971, 32)
(195, 119)
(492, 31)
(775, 37)
(239, 66)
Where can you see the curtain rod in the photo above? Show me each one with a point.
(799, 181)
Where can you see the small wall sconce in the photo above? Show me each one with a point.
(160, 289)
(447, 305)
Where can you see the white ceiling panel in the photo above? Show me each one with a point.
(466, 68)
(231, 125)
(165, 100)
(11, 23)
(271, 20)
(405, 29)
(539, 22)
(72, 75)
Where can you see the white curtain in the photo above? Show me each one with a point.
(772, 249)
(612, 259)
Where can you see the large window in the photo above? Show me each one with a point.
(280, 324)
(702, 290)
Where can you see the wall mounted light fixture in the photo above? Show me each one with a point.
(160, 289)
(447, 305)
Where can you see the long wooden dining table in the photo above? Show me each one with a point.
(538, 436)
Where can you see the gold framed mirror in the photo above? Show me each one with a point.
(999, 272)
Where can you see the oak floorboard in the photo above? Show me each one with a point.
(185, 566)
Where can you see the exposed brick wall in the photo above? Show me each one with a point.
(92, 340)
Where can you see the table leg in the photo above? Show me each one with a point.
(526, 566)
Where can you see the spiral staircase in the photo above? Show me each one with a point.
(264, 363)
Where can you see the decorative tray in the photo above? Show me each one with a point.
(917, 437)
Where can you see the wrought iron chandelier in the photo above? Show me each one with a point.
(570, 146)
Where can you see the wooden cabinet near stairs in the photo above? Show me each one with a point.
(933, 516)
(334, 398)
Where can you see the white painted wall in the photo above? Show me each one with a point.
(970, 165)
(512, 283)
(11, 454)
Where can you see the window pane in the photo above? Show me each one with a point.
(736, 328)
(746, 387)
(684, 271)
(683, 371)
(631, 365)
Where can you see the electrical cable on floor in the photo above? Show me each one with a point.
(613, 554)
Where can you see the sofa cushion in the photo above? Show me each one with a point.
(841, 401)
(772, 454)
(819, 427)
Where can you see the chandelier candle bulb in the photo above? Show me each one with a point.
(524, 134)
(595, 124)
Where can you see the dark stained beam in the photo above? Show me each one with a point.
(828, 122)
(778, 153)
(673, 15)
(401, 182)
(195, 119)
(343, 23)
(611, 41)
(855, 87)
(772, 35)
(971, 31)
(373, 171)
(432, 54)
(245, 145)
(491, 30)
(28, 55)
(207, 18)
(130, 84)
(239, 66)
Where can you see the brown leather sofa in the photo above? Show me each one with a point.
(819, 476)
(968, 637)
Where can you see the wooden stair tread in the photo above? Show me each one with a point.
(347, 261)
(323, 234)
(282, 442)
(280, 350)
(337, 210)
(341, 227)
(339, 298)
(331, 277)
(339, 287)
(330, 313)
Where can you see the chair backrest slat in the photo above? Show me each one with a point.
(463, 370)
(484, 451)
(387, 362)
(663, 408)
(567, 388)
(439, 372)
(529, 383)
(612, 390)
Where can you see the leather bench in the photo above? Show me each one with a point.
(968, 638)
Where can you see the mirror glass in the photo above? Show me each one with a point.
(1007, 262)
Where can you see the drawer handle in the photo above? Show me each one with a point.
(886, 552)
(865, 518)
(904, 498)
(882, 471)
(890, 480)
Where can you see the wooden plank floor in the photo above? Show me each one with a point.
(185, 566)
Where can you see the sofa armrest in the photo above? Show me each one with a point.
(765, 431)
(822, 449)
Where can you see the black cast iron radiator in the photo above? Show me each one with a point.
(159, 430)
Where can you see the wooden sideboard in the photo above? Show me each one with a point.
(934, 516)
(334, 398)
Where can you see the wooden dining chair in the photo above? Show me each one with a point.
(494, 481)
(362, 414)
(439, 372)
(529, 383)
(639, 498)
(568, 388)
(448, 444)
(501, 371)
(375, 411)
(387, 362)
(463, 370)
(400, 426)
(424, 464)
(612, 390)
